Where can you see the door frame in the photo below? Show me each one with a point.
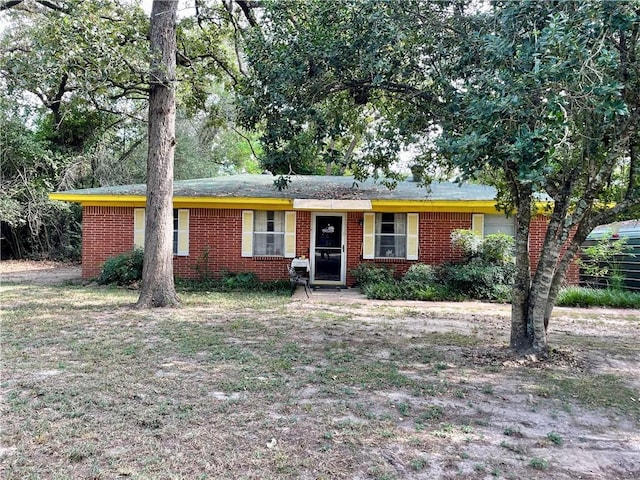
(343, 252)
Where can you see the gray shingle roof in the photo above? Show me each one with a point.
(306, 186)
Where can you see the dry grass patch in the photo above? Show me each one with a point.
(253, 386)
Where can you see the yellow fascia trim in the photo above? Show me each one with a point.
(463, 206)
(251, 203)
(178, 202)
(100, 200)
(395, 206)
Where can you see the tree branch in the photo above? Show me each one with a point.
(131, 149)
(247, 9)
(10, 4)
(247, 139)
(187, 61)
(56, 101)
(237, 33)
(45, 3)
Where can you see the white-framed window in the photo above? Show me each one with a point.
(486, 224)
(499, 224)
(390, 235)
(180, 230)
(268, 233)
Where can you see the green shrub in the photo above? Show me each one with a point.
(600, 262)
(502, 293)
(498, 248)
(367, 273)
(240, 281)
(233, 282)
(421, 274)
(431, 293)
(593, 297)
(277, 286)
(478, 279)
(494, 248)
(419, 283)
(385, 290)
(123, 269)
(484, 275)
(467, 240)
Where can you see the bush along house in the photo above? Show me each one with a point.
(241, 223)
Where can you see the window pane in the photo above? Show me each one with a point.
(387, 240)
(278, 221)
(268, 244)
(400, 223)
(259, 221)
(387, 228)
(391, 235)
(268, 233)
(387, 217)
(499, 224)
(386, 246)
(268, 221)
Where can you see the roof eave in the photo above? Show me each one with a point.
(178, 201)
(254, 203)
(459, 206)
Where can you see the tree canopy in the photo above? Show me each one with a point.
(551, 108)
(539, 99)
(74, 82)
(324, 75)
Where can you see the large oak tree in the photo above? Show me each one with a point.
(538, 98)
(74, 87)
(549, 104)
(158, 289)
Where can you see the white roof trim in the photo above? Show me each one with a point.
(313, 204)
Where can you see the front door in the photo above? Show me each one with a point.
(328, 249)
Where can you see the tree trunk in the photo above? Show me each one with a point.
(520, 338)
(158, 288)
(539, 297)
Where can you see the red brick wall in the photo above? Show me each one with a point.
(106, 232)
(434, 241)
(303, 233)
(215, 243)
(215, 239)
(537, 232)
(435, 236)
(354, 243)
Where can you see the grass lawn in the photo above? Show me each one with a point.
(234, 386)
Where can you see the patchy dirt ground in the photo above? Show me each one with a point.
(335, 386)
(39, 273)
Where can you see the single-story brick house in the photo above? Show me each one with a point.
(241, 223)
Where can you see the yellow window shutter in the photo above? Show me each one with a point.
(477, 223)
(247, 233)
(368, 236)
(412, 235)
(183, 232)
(138, 227)
(290, 234)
